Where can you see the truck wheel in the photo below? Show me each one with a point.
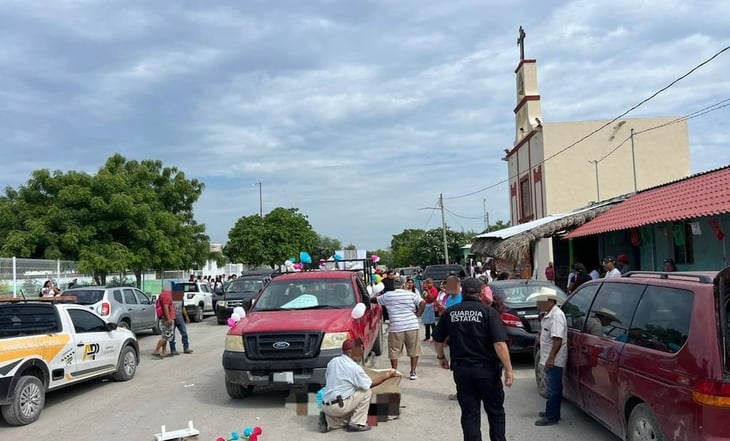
(643, 425)
(540, 377)
(378, 345)
(198, 317)
(221, 322)
(127, 365)
(124, 324)
(238, 390)
(28, 399)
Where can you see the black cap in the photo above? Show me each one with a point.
(470, 285)
(608, 259)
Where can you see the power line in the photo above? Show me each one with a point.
(697, 113)
(430, 216)
(464, 217)
(631, 109)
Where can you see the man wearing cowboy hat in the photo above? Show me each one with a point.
(601, 318)
(553, 355)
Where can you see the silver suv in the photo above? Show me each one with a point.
(126, 306)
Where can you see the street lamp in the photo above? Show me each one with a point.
(261, 200)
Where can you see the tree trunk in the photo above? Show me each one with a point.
(138, 277)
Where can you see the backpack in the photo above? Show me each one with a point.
(158, 308)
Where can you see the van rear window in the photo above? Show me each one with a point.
(21, 320)
(87, 296)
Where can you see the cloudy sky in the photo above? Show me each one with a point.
(359, 113)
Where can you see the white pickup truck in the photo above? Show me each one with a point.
(46, 345)
(197, 298)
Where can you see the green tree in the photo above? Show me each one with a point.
(499, 225)
(325, 247)
(246, 241)
(129, 216)
(402, 247)
(282, 233)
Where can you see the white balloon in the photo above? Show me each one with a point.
(235, 317)
(378, 288)
(358, 311)
(370, 290)
(240, 311)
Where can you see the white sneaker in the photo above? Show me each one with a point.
(413, 376)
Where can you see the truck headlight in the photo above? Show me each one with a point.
(334, 340)
(221, 303)
(234, 343)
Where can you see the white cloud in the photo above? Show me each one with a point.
(357, 113)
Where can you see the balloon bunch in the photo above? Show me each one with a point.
(248, 434)
(238, 314)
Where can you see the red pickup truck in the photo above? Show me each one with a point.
(296, 326)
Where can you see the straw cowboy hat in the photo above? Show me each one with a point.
(605, 312)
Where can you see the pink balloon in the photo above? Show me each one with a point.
(375, 258)
(231, 322)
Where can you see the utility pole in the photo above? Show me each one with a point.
(443, 227)
(633, 158)
(486, 216)
(598, 191)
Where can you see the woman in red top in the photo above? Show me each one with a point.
(428, 317)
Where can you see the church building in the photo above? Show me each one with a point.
(558, 167)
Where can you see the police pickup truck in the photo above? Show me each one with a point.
(46, 344)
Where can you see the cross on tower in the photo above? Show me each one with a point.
(521, 43)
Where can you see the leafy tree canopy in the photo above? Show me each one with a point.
(270, 240)
(129, 215)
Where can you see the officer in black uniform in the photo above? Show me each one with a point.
(479, 352)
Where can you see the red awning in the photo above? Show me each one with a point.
(701, 195)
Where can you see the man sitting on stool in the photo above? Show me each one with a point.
(347, 393)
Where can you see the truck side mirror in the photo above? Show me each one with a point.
(358, 311)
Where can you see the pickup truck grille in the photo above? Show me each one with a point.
(235, 303)
(282, 346)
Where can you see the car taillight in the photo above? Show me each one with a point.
(511, 321)
(105, 309)
(190, 296)
(712, 393)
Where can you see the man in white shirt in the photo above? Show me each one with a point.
(347, 392)
(404, 309)
(553, 356)
(611, 271)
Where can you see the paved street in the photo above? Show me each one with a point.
(190, 387)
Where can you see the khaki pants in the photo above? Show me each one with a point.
(354, 411)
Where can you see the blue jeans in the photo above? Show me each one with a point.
(180, 325)
(554, 377)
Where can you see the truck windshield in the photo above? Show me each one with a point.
(306, 294)
(244, 285)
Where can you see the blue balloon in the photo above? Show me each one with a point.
(338, 257)
(305, 257)
(234, 436)
(292, 259)
(247, 431)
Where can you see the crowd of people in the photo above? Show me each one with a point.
(457, 315)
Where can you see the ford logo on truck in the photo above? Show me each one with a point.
(281, 345)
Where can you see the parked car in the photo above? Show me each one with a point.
(649, 354)
(240, 292)
(439, 273)
(125, 306)
(197, 299)
(46, 345)
(296, 326)
(515, 300)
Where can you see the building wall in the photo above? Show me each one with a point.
(657, 244)
(662, 155)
